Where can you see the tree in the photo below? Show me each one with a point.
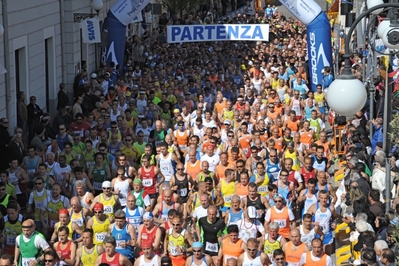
(175, 6)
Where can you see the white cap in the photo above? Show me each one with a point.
(106, 184)
(251, 211)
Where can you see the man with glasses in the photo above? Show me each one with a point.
(124, 234)
(36, 201)
(99, 223)
(181, 183)
(182, 136)
(133, 154)
(176, 241)
(29, 245)
(279, 258)
(122, 185)
(282, 215)
(80, 126)
(198, 257)
(256, 200)
(149, 235)
(108, 198)
(63, 136)
(253, 256)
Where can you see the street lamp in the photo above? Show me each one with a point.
(97, 5)
(347, 95)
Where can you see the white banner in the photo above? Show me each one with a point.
(127, 10)
(218, 32)
(304, 10)
(91, 30)
(138, 18)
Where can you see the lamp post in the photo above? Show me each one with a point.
(347, 95)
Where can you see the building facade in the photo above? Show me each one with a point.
(41, 47)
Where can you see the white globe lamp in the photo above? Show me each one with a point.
(390, 37)
(97, 5)
(373, 3)
(346, 95)
(383, 26)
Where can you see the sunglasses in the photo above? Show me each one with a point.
(102, 150)
(98, 212)
(251, 249)
(48, 260)
(176, 224)
(61, 128)
(114, 127)
(3, 189)
(106, 188)
(230, 136)
(179, 169)
(196, 250)
(38, 184)
(278, 201)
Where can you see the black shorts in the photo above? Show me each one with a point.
(154, 196)
(211, 253)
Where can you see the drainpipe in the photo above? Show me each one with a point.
(9, 108)
(62, 28)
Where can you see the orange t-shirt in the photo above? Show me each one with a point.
(306, 137)
(294, 256)
(230, 250)
(220, 170)
(309, 261)
(241, 191)
(182, 140)
(220, 106)
(293, 125)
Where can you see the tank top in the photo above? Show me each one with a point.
(84, 201)
(113, 262)
(65, 253)
(241, 191)
(231, 250)
(135, 217)
(31, 166)
(153, 262)
(70, 235)
(100, 230)
(52, 209)
(99, 175)
(148, 237)
(124, 190)
(228, 190)
(307, 238)
(203, 261)
(293, 257)
(272, 170)
(269, 246)
(78, 218)
(291, 178)
(113, 116)
(166, 166)
(10, 233)
(323, 218)
(149, 180)
(296, 106)
(109, 205)
(140, 198)
(308, 201)
(113, 148)
(228, 115)
(249, 262)
(182, 139)
(296, 165)
(262, 188)
(182, 187)
(307, 175)
(319, 165)
(163, 212)
(175, 242)
(193, 169)
(311, 262)
(283, 221)
(61, 141)
(89, 259)
(39, 202)
(12, 177)
(319, 98)
(122, 236)
(294, 126)
(235, 217)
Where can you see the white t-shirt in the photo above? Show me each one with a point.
(61, 173)
(249, 229)
(200, 212)
(212, 160)
(302, 262)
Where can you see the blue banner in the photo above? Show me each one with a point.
(116, 40)
(219, 32)
(319, 48)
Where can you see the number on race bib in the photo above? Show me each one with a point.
(227, 199)
(100, 237)
(11, 240)
(212, 247)
(97, 186)
(182, 192)
(26, 261)
(262, 189)
(281, 223)
(108, 209)
(118, 244)
(148, 182)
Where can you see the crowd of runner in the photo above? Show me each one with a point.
(203, 154)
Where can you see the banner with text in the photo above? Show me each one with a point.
(126, 10)
(217, 32)
(304, 10)
(91, 30)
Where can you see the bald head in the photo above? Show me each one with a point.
(75, 201)
(167, 192)
(28, 223)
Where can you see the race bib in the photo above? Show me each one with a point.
(108, 209)
(97, 186)
(79, 222)
(227, 199)
(212, 247)
(25, 261)
(31, 171)
(182, 192)
(281, 223)
(100, 237)
(122, 195)
(262, 189)
(148, 182)
(182, 147)
(314, 129)
(174, 252)
(118, 244)
(39, 205)
(89, 164)
(11, 240)
(165, 169)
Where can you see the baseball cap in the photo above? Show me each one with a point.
(63, 211)
(137, 181)
(98, 206)
(251, 211)
(208, 179)
(106, 184)
(227, 122)
(197, 245)
(148, 216)
(146, 244)
(176, 111)
(278, 196)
